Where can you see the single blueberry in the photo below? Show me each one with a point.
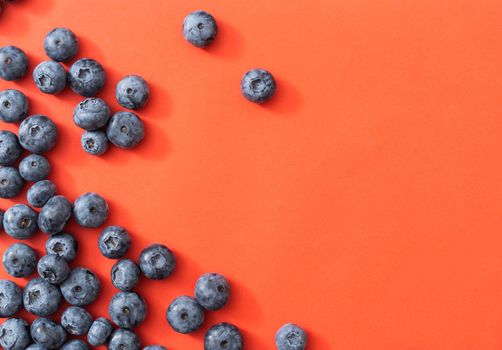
(75, 344)
(47, 333)
(81, 287)
(200, 28)
(10, 148)
(53, 268)
(11, 182)
(157, 262)
(38, 134)
(34, 168)
(20, 221)
(114, 242)
(124, 339)
(41, 298)
(50, 77)
(40, 193)
(127, 310)
(99, 332)
(14, 334)
(125, 275)
(13, 63)
(132, 92)
(63, 245)
(13, 106)
(223, 336)
(19, 260)
(212, 291)
(185, 315)
(86, 77)
(90, 210)
(125, 130)
(11, 298)
(94, 142)
(76, 320)
(290, 337)
(258, 85)
(91, 114)
(60, 44)
(54, 215)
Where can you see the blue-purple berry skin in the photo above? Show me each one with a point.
(212, 291)
(185, 315)
(53, 268)
(12, 298)
(47, 333)
(20, 221)
(15, 334)
(61, 44)
(10, 148)
(157, 262)
(291, 337)
(38, 134)
(14, 106)
(41, 298)
(90, 210)
(11, 182)
(91, 114)
(132, 92)
(258, 85)
(62, 244)
(94, 143)
(34, 168)
(50, 77)
(40, 192)
(200, 28)
(86, 77)
(124, 339)
(13, 63)
(19, 260)
(100, 331)
(223, 336)
(125, 130)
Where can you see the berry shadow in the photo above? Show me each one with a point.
(286, 101)
(316, 340)
(228, 44)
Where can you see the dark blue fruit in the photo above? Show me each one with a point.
(114, 242)
(258, 85)
(10, 148)
(91, 114)
(90, 210)
(212, 291)
(75, 344)
(20, 221)
(36, 347)
(53, 268)
(81, 287)
(76, 320)
(199, 28)
(132, 92)
(154, 347)
(14, 334)
(185, 315)
(127, 310)
(11, 298)
(13, 63)
(157, 262)
(38, 134)
(50, 77)
(125, 130)
(125, 275)
(60, 44)
(34, 168)
(19, 260)
(54, 215)
(94, 142)
(11, 182)
(123, 339)
(223, 336)
(99, 332)
(63, 245)
(40, 193)
(14, 106)
(86, 77)
(41, 298)
(290, 337)
(47, 333)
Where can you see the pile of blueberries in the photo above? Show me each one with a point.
(77, 285)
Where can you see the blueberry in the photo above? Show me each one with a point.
(40, 193)
(50, 77)
(34, 168)
(132, 92)
(114, 242)
(63, 245)
(2, 212)
(258, 85)
(86, 77)
(19, 260)
(36, 347)
(185, 315)
(20, 221)
(41, 298)
(11, 298)
(290, 337)
(47, 333)
(154, 347)
(53, 268)
(125, 275)
(10, 148)
(212, 291)
(127, 310)
(99, 332)
(81, 287)
(94, 142)
(223, 336)
(91, 114)
(13, 63)
(157, 262)
(76, 320)
(60, 44)
(125, 130)
(13, 106)
(123, 339)
(199, 28)
(14, 334)
(54, 215)
(11, 182)
(90, 210)
(75, 344)
(37, 134)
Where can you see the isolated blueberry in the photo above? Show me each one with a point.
(127, 310)
(76, 320)
(199, 28)
(290, 337)
(125, 275)
(154, 347)
(11, 298)
(86, 77)
(60, 44)
(37, 134)
(90, 210)
(91, 114)
(20, 221)
(63, 245)
(258, 85)
(47, 333)
(19, 260)
(13, 63)
(11, 182)
(94, 142)
(81, 287)
(212, 291)
(114, 242)
(40, 193)
(34, 168)
(185, 315)
(54, 215)
(53, 268)
(13, 106)
(50, 77)
(99, 332)
(157, 262)
(14, 334)
(125, 130)
(41, 298)
(124, 339)
(10, 149)
(223, 336)
(74, 344)
(132, 92)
